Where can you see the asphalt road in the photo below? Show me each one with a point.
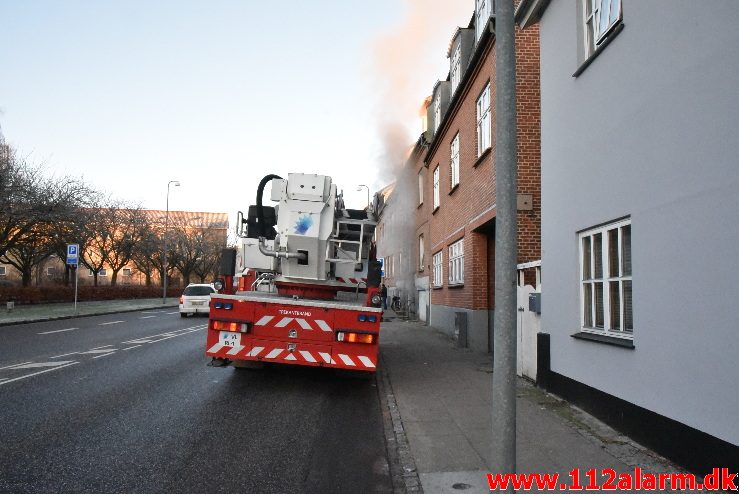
(126, 403)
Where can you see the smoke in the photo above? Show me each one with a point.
(407, 62)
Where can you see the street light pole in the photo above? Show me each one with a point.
(359, 187)
(166, 225)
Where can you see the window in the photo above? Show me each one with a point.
(437, 260)
(50, 271)
(126, 271)
(420, 187)
(482, 14)
(456, 262)
(601, 16)
(456, 67)
(454, 151)
(389, 266)
(437, 112)
(102, 272)
(3, 272)
(421, 253)
(483, 121)
(436, 187)
(605, 287)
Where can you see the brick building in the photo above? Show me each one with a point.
(453, 164)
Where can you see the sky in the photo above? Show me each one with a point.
(216, 94)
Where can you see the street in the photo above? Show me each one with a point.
(126, 403)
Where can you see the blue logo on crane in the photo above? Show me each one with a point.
(303, 224)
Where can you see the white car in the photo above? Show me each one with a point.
(196, 299)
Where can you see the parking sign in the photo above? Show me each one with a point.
(73, 254)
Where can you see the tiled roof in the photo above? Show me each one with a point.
(190, 219)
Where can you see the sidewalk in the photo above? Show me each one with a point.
(439, 399)
(49, 312)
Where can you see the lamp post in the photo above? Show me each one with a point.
(359, 187)
(166, 225)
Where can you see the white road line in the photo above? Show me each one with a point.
(173, 312)
(146, 317)
(104, 355)
(111, 322)
(36, 365)
(98, 347)
(64, 355)
(136, 342)
(14, 365)
(58, 331)
(104, 350)
(132, 347)
(37, 373)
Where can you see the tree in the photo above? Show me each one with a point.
(210, 258)
(147, 256)
(124, 228)
(30, 251)
(187, 249)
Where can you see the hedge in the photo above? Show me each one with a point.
(48, 294)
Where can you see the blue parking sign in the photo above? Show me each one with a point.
(73, 254)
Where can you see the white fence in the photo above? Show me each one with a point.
(528, 322)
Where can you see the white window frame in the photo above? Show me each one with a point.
(420, 187)
(102, 272)
(456, 69)
(437, 200)
(438, 260)
(421, 253)
(606, 280)
(126, 272)
(597, 28)
(454, 165)
(482, 15)
(50, 271)
(3, 271)
(456, 262)
(437, 112)
(483, 121)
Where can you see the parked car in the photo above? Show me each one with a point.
(196, 299)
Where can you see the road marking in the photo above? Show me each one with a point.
(136, 342)
(64, 355)
(132, 347)
(37, 373)
(146, 317)
(35, 365)
(58, 331)
(9, 366)
(104, 355)
(98, 347)
(111, 322)
(105, 350)
(173, 312)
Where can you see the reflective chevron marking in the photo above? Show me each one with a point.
(284, 322)
(307, 356)
(304, 324)
(327, 358)
(366, 361)
(264, 320)
(291, 357)
(323, 325)
(255, 351)
(274, 353)
(347, 360)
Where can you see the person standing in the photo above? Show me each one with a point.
(383, 294)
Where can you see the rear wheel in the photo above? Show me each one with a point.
(182, 314)
(247, 364)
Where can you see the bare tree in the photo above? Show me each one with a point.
(123, 229)
(29, 252)
(147, 256)
(187, 249)
(210, 257)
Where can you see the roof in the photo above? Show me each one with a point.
(189, 218)
(529, 12)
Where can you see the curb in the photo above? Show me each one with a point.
(403, 469)
(72, 316)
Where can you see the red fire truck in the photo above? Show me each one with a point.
(303, 286)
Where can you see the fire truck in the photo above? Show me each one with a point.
(306, 288)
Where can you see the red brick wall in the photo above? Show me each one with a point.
(465, 209)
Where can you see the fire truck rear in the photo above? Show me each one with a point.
(303, 286)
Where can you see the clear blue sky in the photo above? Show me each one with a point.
(216, 94)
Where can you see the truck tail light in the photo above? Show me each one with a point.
(182, 300)
(350, 337)
(236, 327)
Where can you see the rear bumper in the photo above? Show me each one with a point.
(358, 357)
(193, 310)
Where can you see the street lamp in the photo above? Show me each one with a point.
(166, 225)
(359, 187)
